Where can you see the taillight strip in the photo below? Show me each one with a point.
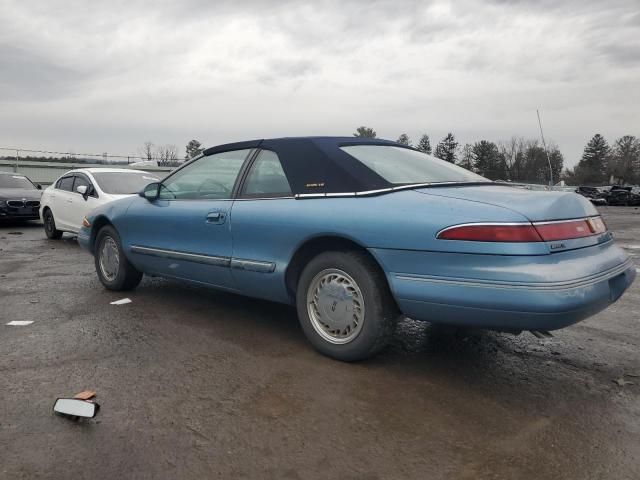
(524, 231)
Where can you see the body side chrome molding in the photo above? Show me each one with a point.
(368, 193)
(176, 255)
(253, 265)
(217, 261)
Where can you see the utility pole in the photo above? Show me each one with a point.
(545, 151)
(17, 158)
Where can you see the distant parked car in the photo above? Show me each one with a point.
(19, 197)
(623, 196)
(65, 203)
(357, 232)
(596, 195)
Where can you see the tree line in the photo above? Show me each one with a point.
(167, 155)
(524, 160)
(518, 159)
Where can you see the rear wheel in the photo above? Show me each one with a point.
(344, 305)
(114, 270)
(50, 226)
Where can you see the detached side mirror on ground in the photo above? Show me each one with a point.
(75, 407)
(151, 191)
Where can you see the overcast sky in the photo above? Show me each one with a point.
(108, 76)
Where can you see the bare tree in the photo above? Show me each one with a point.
(512, 151)
(466, 159)
(147, 151)
(167, 155)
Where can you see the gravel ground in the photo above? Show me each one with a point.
(198, 384)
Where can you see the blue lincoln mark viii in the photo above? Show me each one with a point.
(357, 232)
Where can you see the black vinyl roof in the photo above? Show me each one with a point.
(316, 165)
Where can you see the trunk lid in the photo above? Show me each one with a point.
(536, 206)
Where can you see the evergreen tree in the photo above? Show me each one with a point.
(404, 139)
(592, 168)
(424, 145)
(365, 132)
(193, 148)
(488, 161)
(447, 149)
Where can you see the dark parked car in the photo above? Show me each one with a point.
(19, 197)
(596, 195)
(624, 196)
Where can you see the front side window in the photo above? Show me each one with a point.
(65, 183)
(16, 181)
(81, 180)
(123, 183)
(210, 177)
(266, 177)
(403, 166)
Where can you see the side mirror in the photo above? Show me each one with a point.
(151, 191)
(75, 407)
(38, 186)
(82, 190)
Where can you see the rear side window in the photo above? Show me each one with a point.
(403, 166)
(65, 183)
(266, 177)
(122, 183)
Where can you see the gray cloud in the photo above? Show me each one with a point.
(109, 76)
(28, 76)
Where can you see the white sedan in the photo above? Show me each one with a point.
(65, 203)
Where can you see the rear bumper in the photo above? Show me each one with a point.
(527, 303)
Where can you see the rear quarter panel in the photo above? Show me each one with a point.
(272, 230)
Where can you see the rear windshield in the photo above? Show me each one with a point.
(402, 166)
(15, 181)
(122, 183)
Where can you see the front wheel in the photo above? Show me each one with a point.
(114, 270)
(50, 226)
(344, 305)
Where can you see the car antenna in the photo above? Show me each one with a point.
(545, 150)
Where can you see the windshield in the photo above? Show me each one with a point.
(15, 181)
(123, 183)
(402, 166)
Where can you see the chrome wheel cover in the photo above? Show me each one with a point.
(109, 259)
(335, 306)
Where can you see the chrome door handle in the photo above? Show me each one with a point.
(216, 217)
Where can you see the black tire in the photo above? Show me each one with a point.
(380, 310)
(50, 225)
(125, 276)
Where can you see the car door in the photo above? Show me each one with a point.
(80, 205)
(264, 229)
(61, 199)
(186, 231)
